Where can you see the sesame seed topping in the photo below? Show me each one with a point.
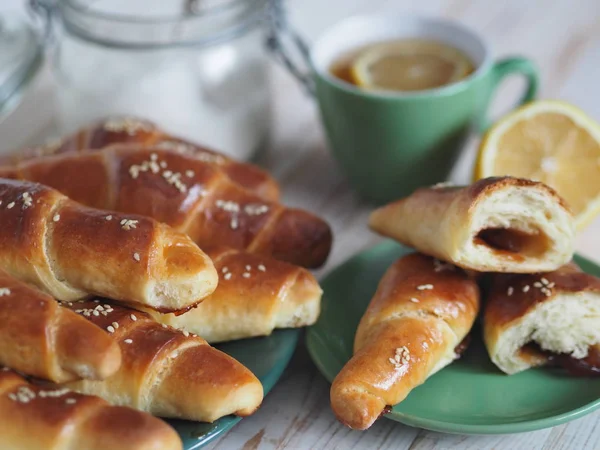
(56, 217)
(163, 164)
(401, 358)
(164, 326)
(136, 256)
(537, 284)
(225, 269)
(246, 275)
(153, 156)
(228, 206)
(109, 217)
(4, 291)
(10, 205)
(110, 329)
(133, 317)
(227, 276)
(96, 313)
(510, 291)
(128, 224)
(186, 333)
(544, 281)
(424, 287)
(234, 224)
(256, 209)
(189, 173)
(115, 324)
(526, 288)
(414, 300)
(70, 401)
(262, 268)
(128, 341)
(248, 267)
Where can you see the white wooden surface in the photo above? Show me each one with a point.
(563, 38)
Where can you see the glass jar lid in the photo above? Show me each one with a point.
(149, 24)
(21, 54)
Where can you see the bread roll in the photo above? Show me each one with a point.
(422, 311)
(534, 319)
(494, 225)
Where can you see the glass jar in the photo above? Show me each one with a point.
(198, 68)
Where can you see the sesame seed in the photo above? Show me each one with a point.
(526, 288)
(136, 256)
(133, 317)
(537, 284)
(164, 326)
(510, 291)
(96, 313)
(110, 329)
(545, 281)
(262, 268)
(189, 173)
(246, 275)
(414, 300)
(109, 217)
(227, 276)
(115, 324)
(128, 341)
(10, 205)
(4, 291)
(70, 401)
(424, 287)
(186, 333)
(153, 156)
(56, 217)
(128, 224)
(255, 210)
(248, 267)
(225, 269)
(234, 224)
(163, 164)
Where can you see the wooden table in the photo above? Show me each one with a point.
(563, 37)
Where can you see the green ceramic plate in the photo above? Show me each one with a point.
(470, 396)
(266, 357)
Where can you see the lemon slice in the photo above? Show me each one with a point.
(552, 142)
(409, 65)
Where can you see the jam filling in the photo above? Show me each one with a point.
(462, 346)
(510, 241)
(584, 367)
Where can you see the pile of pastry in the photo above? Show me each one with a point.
(503, 246)
(124, 253)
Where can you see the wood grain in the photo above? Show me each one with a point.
(562, 37)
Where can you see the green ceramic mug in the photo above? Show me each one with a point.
(390, 143)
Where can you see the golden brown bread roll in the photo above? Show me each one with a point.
(255, 295)
(187, 194)
(421, 312)
(534, 319)
(494, 225)
(167, 372)
(140, 132)
(34, 417)
(41, 339)
(70, 251)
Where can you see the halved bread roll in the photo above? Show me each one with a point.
(532, 320)
(494, 225)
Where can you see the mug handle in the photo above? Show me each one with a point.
(281, 32)
(511, 66)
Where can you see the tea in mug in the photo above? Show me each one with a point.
(403, 65)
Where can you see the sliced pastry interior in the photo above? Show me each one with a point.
(415, 325)
(500, 224)
(255, 295)
(539, 319)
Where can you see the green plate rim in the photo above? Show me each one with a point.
(312, 339)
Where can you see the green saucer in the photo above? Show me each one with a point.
(470, 396)
(266, 357)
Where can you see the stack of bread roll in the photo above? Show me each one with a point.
(124, 253)
(539, 308)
